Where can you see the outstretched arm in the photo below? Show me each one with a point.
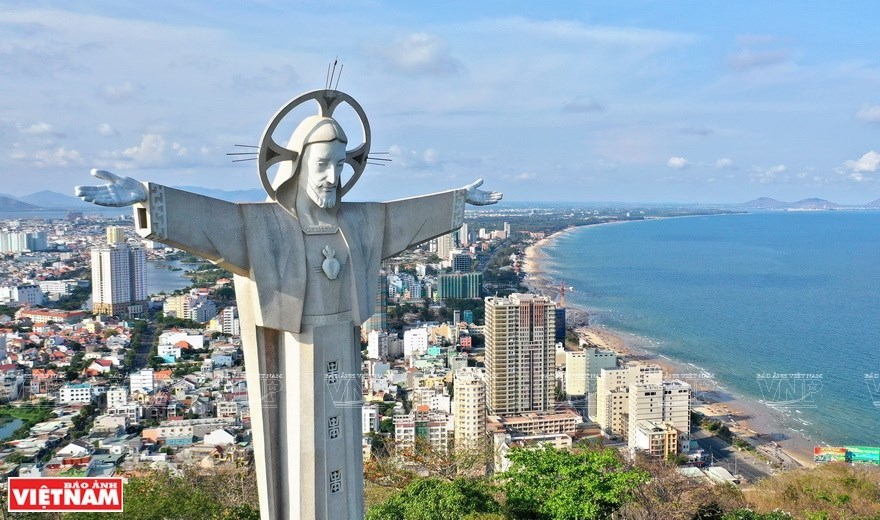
(120, 191)
(415, 220)
(204, 226)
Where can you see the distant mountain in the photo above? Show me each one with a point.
(813, 204)
(54, 200)
(253, 195)
(874, 204)
(765, 203)
(768, 203)
(10, 204)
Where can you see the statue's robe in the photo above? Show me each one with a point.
(300, 335)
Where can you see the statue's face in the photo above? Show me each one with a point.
(321, 169)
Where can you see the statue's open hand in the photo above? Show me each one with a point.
(120, 191)
(480, 197)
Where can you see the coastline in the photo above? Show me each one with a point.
(748, 419)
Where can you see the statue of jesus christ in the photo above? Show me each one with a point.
(305, 268)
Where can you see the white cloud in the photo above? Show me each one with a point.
(677, 163)
(116, 93)
(724, 162)
(58, 157)
(405, 158)
(38, 129)
(179, 148)
(151, 151)
(747, 59)
(869, 114)
(767, 175)
(106, 130)
(421, 54)
(866, 164)
(525, 176)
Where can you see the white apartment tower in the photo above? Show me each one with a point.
(377, 345)
(596, 361)
(469, 392)
(520, 353)
(612, 394)
(575, 373)
(119, 280)
(667, 402)
(445, 245)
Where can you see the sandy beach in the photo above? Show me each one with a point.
(749, 419)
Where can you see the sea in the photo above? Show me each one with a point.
(167, 277)
(778, 307)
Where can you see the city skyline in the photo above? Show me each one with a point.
(634, 102)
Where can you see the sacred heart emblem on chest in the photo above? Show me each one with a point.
(330, 266)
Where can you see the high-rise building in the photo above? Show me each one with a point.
(559, 333)
(469, 392)
(507, 229)
(459, 285)
(17, 242)
(595, 361)
(445, 244)
(115, 235)
(415, 341)
(377, 345)
(464, 235)
(612, 394)
(575, 373)
(379, 320)
(461, 262)
(119, 280)
(520, 354)
(667, 402)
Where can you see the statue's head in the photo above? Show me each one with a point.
(319, 143)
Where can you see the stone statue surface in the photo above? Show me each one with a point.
(305, 266)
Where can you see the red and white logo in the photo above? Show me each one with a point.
(65, 494)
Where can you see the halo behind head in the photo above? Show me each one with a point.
(271, 153)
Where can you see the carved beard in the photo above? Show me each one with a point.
(325, 199)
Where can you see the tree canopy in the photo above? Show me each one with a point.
(436, 499)
(549, 483)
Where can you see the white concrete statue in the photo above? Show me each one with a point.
(306, 267)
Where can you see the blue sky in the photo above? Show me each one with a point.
(642, 101)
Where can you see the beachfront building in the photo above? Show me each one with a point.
(520, 355)
(582, 369)
(612, 394)
(469, 389)
(595, 361)
(667, 402)
(655, 439)
(575, 373)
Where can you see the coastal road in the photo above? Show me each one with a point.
(734, 461)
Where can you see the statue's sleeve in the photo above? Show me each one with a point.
(412, 221)
(210, 228)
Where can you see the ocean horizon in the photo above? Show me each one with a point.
(779, 307)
